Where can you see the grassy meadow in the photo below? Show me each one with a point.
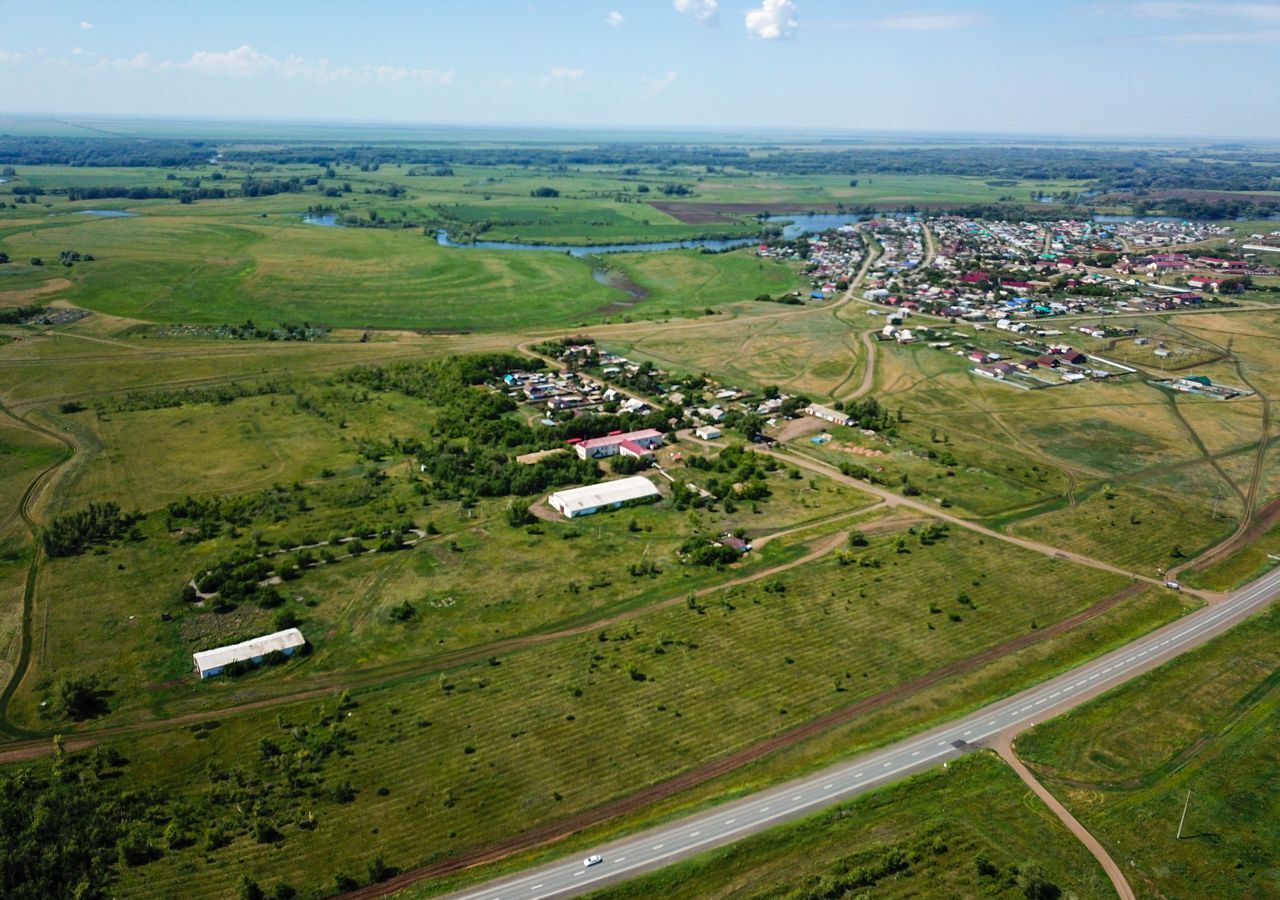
(1205, 724)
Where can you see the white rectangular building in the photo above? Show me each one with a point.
(707, 432)
(583, 501)
(828, 415)
(212, 662)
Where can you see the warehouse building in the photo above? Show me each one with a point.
(213, 662)
(829, 415)
(584, 501)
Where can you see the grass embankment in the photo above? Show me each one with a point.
(1206, 724)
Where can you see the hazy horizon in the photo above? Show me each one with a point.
(994, 67)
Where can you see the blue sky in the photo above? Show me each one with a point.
(1103, 68)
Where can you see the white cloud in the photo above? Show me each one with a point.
(927, 22)
(1257, 36)
(246, 63)
(704, 12)
(775, 20)
(656, 86)
(136, 63)
(7, 57)
(1159, 9)
(80, 51)
(614, 19)
(564, 73)
(85, 25)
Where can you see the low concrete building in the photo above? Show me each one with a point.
(611, 445)
(828, 415)
(583, 501)
(213, 662)
(707, 433)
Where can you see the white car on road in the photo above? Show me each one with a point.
(593, 860)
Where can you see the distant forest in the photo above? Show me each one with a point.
(1129, 171)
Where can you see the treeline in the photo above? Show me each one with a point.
(101, 151)
(1216, 208)
(103, 192)
(16, 315)
(98, 523)
(167, 399)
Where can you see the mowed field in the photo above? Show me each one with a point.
(1204, 724)
(534, 735)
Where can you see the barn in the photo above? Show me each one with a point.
(253, 651)
(583, 501)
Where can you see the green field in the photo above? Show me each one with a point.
(477, 666)
(1205, 724)
(923, 837)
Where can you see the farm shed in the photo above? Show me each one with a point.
(212, 662)
(828, 415)
(583, 501)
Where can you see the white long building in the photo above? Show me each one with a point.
(583, 501)
(212, 662)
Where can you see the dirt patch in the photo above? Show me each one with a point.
(21, 297)
(858, 450)
(622, 806)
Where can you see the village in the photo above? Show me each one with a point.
(988, 271)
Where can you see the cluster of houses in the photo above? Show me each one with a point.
(993, 270)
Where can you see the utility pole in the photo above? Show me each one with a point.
(1183, 820)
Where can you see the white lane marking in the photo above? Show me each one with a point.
(694, 833)
(576, 874)
(1025, 708)
(621, 859)
(969, 732)
(764, 809)
(859, 775)
(657, 846)
(917, 753)
(1107, 669)
(827, 787)
(888, 764)
(536, 887)
(729, 821)
(1054, 694)
(942, 743)
(796, 798)
(992, 722)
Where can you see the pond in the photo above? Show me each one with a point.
(325, 220)
(107, 213)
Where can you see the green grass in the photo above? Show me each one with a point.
(1239, 568)
(1205, 724)
(940, 822)
(713, 682)
(1130, 526)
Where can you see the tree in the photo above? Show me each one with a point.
(250, 889)
(37, 261)
(81, 698)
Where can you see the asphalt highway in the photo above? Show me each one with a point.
(648, 850)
